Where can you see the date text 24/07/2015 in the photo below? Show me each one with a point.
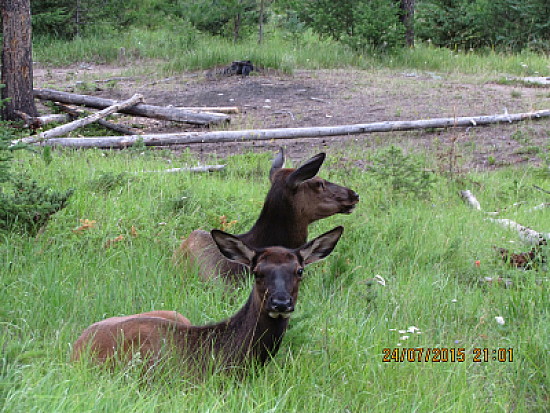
(445, 355)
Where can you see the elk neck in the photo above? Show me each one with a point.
(249, 335)
(279, 223)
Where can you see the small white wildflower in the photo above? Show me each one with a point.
(404, 337)
(399, 344)
(379, 279)
(500, 320)
(412, 329)
(402, 331)
(393, 329)
(454, 300)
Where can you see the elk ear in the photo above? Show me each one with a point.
(232, 247)
(321, 246)
(277, 163)
(306, 171)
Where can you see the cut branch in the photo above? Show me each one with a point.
(289, 133)
(76, 113)
(158, 112)
(63, 129)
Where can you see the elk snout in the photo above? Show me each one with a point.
(280, 305)
(350, 202)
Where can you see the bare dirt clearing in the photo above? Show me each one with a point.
(335, 97)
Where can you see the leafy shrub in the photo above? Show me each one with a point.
(466, 24)
(359, 24)
(377, 26)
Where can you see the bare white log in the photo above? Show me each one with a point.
(157, 112)
(200, 168)
(63, 129)
(288, 133)
(527, 235)
(470, 199)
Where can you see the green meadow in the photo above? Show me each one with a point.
(428, 253)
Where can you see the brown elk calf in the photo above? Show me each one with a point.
(297, 198)
(254, 333)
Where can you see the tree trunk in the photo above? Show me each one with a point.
(261, 22)
(237, 23)
(17, 59)
(407, 18)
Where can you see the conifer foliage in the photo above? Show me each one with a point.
(25, 206)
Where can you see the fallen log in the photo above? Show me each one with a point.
(39, 121)
(200, 168)
(216, 109)
(288, 133)
(76, 113)
(157, 112)
(68, 127)
(526, 234)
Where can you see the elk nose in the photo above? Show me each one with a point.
(281, 303)
(354, 196)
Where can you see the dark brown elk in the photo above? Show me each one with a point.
(297, 198)
(254, 333)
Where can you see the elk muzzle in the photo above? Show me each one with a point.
(280, 305)
(349, 204)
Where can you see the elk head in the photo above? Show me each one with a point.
(310, 196)
(277, 271)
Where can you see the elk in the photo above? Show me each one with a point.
(254, 333)
(297, 198)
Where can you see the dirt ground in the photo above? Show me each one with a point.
(310, 98)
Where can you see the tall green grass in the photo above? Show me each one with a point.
(55, 285)
(177, 49)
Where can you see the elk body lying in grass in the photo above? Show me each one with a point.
(253, 334)
(296, 199)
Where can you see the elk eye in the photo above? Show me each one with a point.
(321, 185)
(300, 272)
